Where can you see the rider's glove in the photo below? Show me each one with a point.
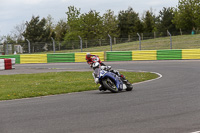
(96, 80)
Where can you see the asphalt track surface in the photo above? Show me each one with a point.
(170, 104)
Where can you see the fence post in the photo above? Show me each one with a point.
(110, 42)
(6, 48)
(53, 44)
(59, 45)
(170, 39)
(139, 39)
(29, 46)
(81, 43)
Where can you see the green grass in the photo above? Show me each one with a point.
(178, 42)
(35, 85)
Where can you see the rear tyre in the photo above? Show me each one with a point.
(110, 85)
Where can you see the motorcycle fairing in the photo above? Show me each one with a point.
(105, 74)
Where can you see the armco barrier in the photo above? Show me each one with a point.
(80, 57)
(17, 57)
(191, 54)
(2, 64)
(169, 54)
(144, 55)
(174, 54)
(119, 56)
(33, 58)
(60, 57)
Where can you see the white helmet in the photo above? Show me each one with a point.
(88, 55)
(95, 65)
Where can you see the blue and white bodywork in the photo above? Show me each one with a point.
(113, 77)
(109, 79)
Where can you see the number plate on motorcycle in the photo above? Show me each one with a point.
(102, 73)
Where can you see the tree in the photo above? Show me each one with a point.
(110, 24)
(18, 32)
(91, 25)
(60, 30)
(73, 21)
(127, 20)
(165, 20)
(8, 39)
(149, 22)
(139, 26)
(37, 33)
(35, 29)
(1, 39)
(49, 27)
(187, 15)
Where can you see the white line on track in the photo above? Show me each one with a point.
(159, 76)
(196, 132)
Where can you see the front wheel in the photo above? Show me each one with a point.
(110, 85)
(129, 87)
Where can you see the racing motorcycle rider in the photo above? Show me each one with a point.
(96, 66)
(93, 58)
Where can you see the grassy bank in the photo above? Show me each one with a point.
(34, 85)
(178, 42)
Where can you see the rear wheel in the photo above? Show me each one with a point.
(110, 85)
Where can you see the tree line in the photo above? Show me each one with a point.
(92, 25)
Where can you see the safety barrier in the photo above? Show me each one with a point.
(2, 64)
(119, 56)
(13, 60)
(144, 55)
(169, 54)
(17, 57)
(191, 54)
(33, 58)
(6, 64)
(60, 57)
(174, 54)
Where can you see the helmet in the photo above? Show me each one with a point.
(95, 65)
(88, 55)
(95, 59)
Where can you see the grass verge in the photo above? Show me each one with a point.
(35, 85)
(178, 42)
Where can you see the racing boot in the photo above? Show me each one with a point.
(125, 81)
(101, 88)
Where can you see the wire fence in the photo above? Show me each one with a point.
(142, 41)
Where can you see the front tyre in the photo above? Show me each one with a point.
(110, 85)
(129, 87)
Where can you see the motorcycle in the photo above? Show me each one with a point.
(109, 80)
